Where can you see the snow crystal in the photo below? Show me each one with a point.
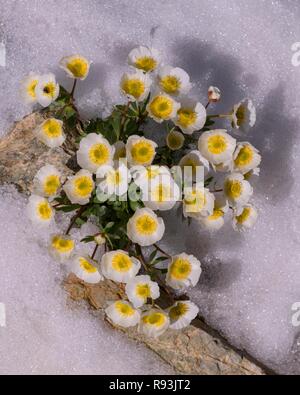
(244, 47)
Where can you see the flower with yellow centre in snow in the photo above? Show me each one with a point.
(154, 323)
(194, 165)
(40, 211)
(245, 158)
(28, 86)
(182, 313)
(198, 201)
(215, 221)
(122, 313)
(237, 190)
(140, 151)
(144, 58)
(183, 271)
(47, 181)
(76, 66)
(244, 218)
(46, 90)
(143, 175)
(175, 140)
(217, 146)
(160, 193)
(113, 180)
(173, 80)
(162, 107)
(243, 115)
(50, 132)
(140, 289)
(83, 267)
(136, 86)
(145, 227)
(214, 94)
(191, 116)
(61, 247)
(94, 151)
(119, 266)
(79, 188)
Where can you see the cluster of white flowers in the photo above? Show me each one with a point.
(127, 170)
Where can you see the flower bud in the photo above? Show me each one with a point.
(175, 140)
(99, 239)
(214, 94)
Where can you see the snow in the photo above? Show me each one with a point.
(250, 281)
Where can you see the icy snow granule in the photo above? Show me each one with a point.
(244, 47)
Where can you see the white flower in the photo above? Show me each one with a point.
(214, 94)
(198, 201)
(113, 181)
(136, 86)
(47, 181)
(154, 323)
(83, 267)
(39, 210)
(244, 217)
(120, 150)
(28, 86)
(145, 227)
(140, 151)
(175, 140)
(174, 80)
(162, 107)
(237, 190)
(76, 66)
(144, 58)
(122, 313)
(50, 132)
(182, 313)
(140, 289)
(194, 165)
(79, 188)
(215, 221)
(243, 115)
(142, 175)
(191, 116)
(245, 158)
(183, 271)
(160, 193)
(47, 90)
(94, 151)
(217, 146)
(119, 266)
(61, 247)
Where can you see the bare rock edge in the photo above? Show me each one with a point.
(197, 349)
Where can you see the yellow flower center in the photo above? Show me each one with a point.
(244, 215)
(161, 107)
(44, 211)
(146, 63)
(217, 213)
(99, 154)
(87, 266)
(245, 156)
(124, 308)
(51, 185)
(180, 269)
(161, 193)
(83, 186)
(62, 245)
(78, 67)
(170, 84)
(114, 177)
(216, 144)
(156, 319)
(143, 291)
(146, 225)
(233, 188)
(133, 87)
(152, 172)
(186, 117)
(178, 311)
(49, 89)
(121, 262)
(31, 88)
(195, 201)
(52, 128)
(142, 152)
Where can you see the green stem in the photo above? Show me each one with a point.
(73, 88)
(162, 251)
(219, 116)
(76, 216)
(95, 251)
